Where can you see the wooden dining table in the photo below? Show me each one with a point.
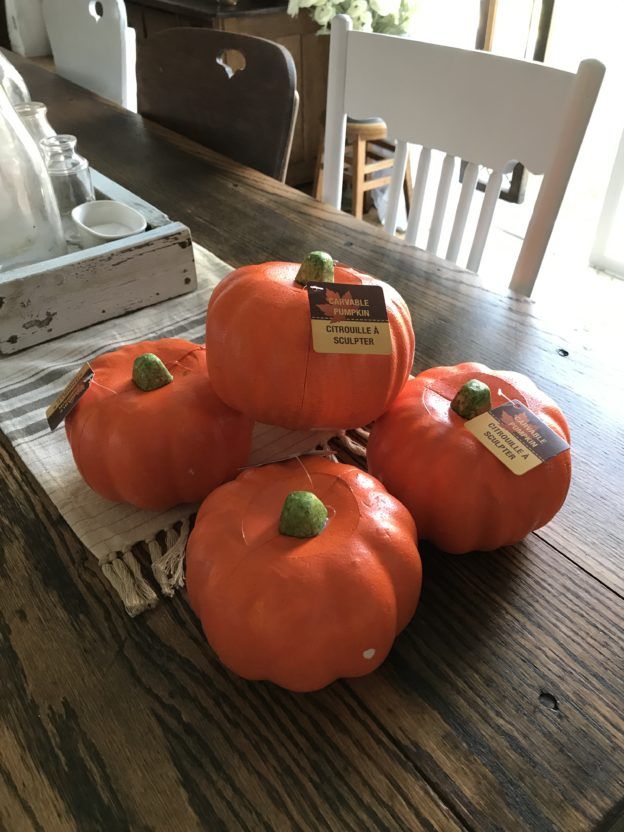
(501, 705)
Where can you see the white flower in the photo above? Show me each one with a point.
(367, 15)
(366, 22)
(360, 14)
(357, 9)
(386, 7)
(323, 14)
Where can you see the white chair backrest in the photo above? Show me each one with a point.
(94, 47)
(473, 106)
(27, 31)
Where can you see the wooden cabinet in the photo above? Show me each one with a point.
(310, 53)
(4, 30)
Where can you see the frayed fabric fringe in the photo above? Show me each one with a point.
(125, 575)
(168, 566)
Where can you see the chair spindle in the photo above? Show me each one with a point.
(469, 184)
(420, 185)
(396, 186)
(485, 220)
(448, 166)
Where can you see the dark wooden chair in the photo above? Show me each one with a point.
(234, 93)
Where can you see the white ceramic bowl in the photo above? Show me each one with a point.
(105, 219)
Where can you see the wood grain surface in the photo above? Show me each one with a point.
(500, 707)
(201, 9)
(249, 114)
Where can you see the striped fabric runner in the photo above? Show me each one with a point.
(31, 380)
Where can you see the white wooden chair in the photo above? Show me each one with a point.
(93, 46)
(27, 31)
(473, 106)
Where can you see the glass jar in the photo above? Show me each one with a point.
(71, 179)
(34, 118)
(12, 82)
(30, 225)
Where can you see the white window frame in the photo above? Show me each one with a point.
(599, 257)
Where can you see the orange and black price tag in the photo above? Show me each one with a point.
(349, 318)
(516, 436)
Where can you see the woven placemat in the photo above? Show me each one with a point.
(119, 536)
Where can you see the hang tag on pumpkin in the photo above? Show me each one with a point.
(67, 400)
(516, 436)
(349, 318)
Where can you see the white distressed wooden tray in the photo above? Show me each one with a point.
(44, 300)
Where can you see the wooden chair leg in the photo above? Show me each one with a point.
(357, 177)
(408, 184)
(367, 197)
(317, 190)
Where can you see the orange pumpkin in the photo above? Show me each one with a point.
(261, 360)
(303, 611)
(160, 447)
(461, 496)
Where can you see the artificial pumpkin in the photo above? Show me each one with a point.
(460, 495)
(303, 572)
(262, 362)
(170, 440)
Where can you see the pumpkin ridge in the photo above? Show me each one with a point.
(93, 414)
(305, 374)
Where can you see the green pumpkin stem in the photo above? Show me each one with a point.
(317, 267)
(472, 399)
(149, 373)
(303, 515)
